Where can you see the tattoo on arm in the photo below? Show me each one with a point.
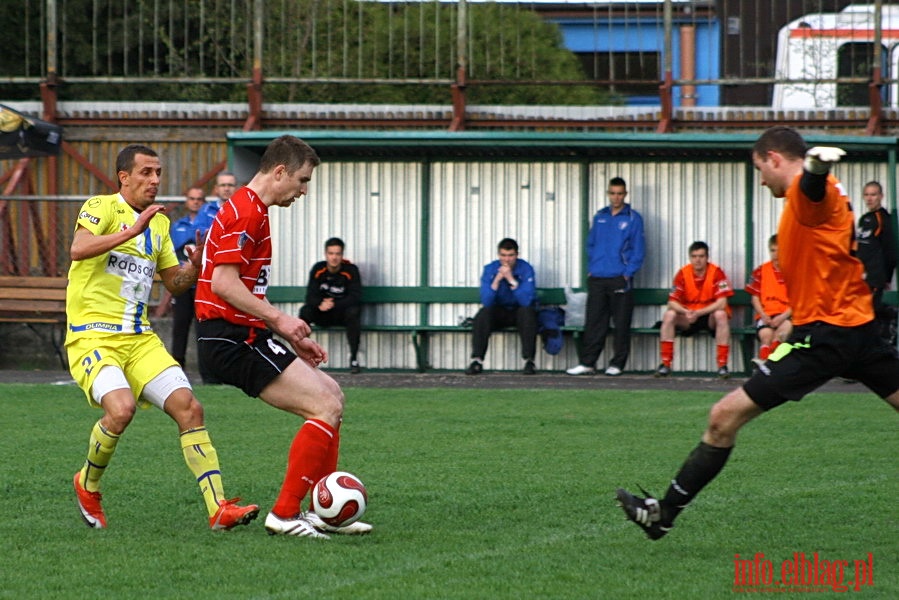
(185, 277)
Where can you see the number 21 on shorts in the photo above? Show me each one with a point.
(90, 361)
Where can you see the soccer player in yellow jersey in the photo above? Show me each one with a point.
(834, 331)
(121, 242)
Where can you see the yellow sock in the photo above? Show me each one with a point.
(99, 453)
(203, 461)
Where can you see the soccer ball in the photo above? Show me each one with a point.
(339, 498)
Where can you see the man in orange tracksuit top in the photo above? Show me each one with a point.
(834, 334)
(768, 292)
(697, 302)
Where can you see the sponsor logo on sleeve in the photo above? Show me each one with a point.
(86, 216)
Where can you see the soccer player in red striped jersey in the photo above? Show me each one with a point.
(236, 327)
(834, 333)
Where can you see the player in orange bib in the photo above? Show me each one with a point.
(835, 333)
(771, 302)
(697, 302)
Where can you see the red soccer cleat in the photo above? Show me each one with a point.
(89, 505)
(230, 514)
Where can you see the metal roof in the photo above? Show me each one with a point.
(512, 145)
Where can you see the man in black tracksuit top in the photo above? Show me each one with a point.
(877, 251)
(333, 296)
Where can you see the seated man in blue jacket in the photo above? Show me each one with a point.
(509, 296)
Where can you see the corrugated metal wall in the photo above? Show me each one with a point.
(475, 205)
(681, 202)
(377, 209)
(540, 205)
(380, 208)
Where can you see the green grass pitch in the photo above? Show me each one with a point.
(473, 494)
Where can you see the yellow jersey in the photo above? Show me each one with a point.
(110, 293)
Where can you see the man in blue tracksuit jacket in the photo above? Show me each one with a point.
(509, 296)
(615, 252)
(183, 233)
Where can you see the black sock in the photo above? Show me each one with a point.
(702, 465)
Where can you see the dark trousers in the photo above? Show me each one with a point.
(493, 318)
(349, 317)
(182, 318)
(885, 315)
(607, 300)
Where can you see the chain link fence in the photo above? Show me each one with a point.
(780, 53)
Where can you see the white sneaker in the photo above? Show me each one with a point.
(356, 528)
(581, 370)
(299, 527)
(613, 371)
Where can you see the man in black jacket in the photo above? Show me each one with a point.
(877, 251)
(333, 296)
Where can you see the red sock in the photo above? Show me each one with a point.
(774, 345)
(308, 454)
(666, 348)
(764, 352)
(723, 353)
(330, 463)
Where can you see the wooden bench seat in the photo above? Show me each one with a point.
(421, 331)
(36, 301)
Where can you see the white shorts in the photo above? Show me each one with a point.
(155, 392)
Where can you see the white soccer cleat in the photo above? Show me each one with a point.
(581, 370)
(299, 526)
(613, 371)
(356, 528)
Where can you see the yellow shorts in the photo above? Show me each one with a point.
(140, 357)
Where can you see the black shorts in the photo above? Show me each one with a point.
(818, 352)
(759, 324)
(699, 325)
(245, 357)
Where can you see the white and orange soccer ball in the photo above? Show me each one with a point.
(339, 498)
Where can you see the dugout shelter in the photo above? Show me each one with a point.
(425, 209)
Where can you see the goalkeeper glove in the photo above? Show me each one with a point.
(819, 159)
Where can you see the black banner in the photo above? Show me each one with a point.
(22, 136)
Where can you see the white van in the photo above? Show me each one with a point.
(822, 47)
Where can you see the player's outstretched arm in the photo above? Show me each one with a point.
(178, 280)
(815, 168)
(86, 244)
(819, 159)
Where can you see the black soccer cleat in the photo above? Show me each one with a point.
(663, 371)
(645, 512)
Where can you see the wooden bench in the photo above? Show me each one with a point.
(422, 330)
(36, 301)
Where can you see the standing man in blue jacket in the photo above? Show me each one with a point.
(509, 296)
(184, 237)
(615, 251)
